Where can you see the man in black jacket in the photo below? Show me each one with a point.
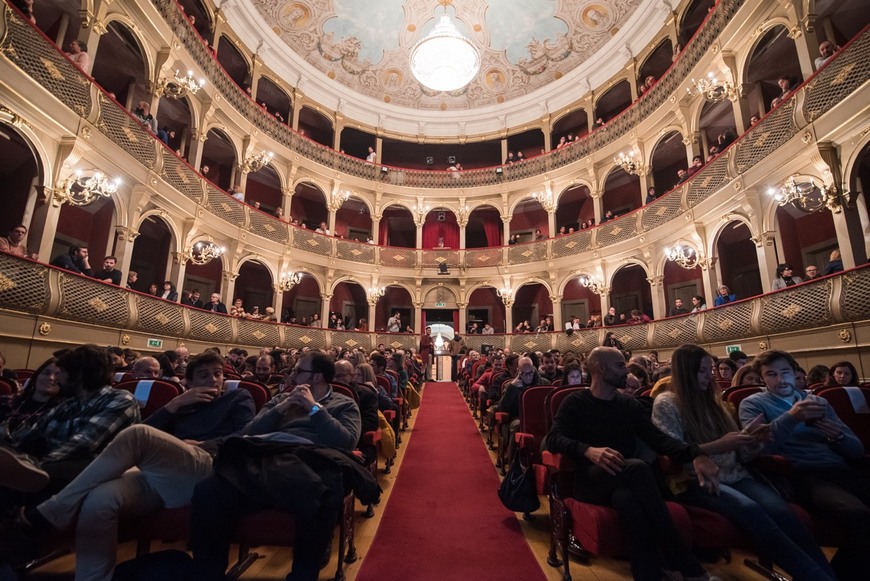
(76, 260)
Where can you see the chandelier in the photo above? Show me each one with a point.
(375, 293)
(79, 190)
(713, 89)
(627, 162)
(803, 193)
(289, 279)
(590, 283)
(545, 199)
(506, 294)
(256, 162)
(683, 254)
(203, 251)
(180, 86)
(444, 60)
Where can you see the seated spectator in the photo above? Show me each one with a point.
(168, 466)
(739, 358)
(527, 376)
(835, 263)
(692, 412)
(238, 308)
(143, 114)
(514, 239)
(549, 368)
(725, 370)
(817, 375)
(821, 448)
(237, 193)
(724, 297)
(682, 175)
(754, 119)
(842, 373)
(678, 308)
(323, 229)
(826, 51)
(26, 7)
(538, 234)
(65, 439)
(169, 293)
(145, 368)
(746, 375)
(78, 54)
(599, 431)
(599, 122)
(75, 260)
(215, 305)
(811, 272)
(697, 164)
(270, 315)
(647, 84)
(40, 394)
(563, 141)
(510, 158)
(13, 243)
(574, 324)
(165, 134)
(610, 340)
(608, 215)
(153, 290)
(650, 196)
(638, 317)
(784, 277)
(611, 318)
(726, 138)
(699, 303)
(784, 84)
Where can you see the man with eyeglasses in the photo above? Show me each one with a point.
(812, 271)
(527, 376)
(14, 242)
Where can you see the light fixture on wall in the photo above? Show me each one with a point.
(180, 86)
(713, 89)
(627, 162)
(684, 254)
(444, 60)
(81, 190)
(806, 195)
(421, 211)
(506, 294)
(289, 279)
(375, 293)
(546, 200)
(204, 251)
(258, 161)
(589, 282)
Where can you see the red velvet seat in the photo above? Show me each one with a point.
(533, 428)
(24, 374)
(151, 394)
(852, 405)
(259, 392)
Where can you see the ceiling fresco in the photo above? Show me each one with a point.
(366, 46)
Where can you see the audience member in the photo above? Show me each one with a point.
(826, 51)
(611, 318)
(40, 394)
(697, 164)
(725, 370)
(811, 272)
(549, 369)
(650, 195)
(699, 303)
(109, 273)
(842, 373)
(754, 119)
(820, 448)
(835, 263)
(678, 308)
(13, 243)
(682, 175)
(153, 290)
(132, 277)
(145, 368)
(169, 293)
(724, 297)
(143, 114)
(78, 54)
(215, 305)
(784, 277)
(637, 317)
(394, 323)
(746, 375)
(599, 430)
(817, 375)
(75, 260)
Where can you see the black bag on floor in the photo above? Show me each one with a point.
(518, 491)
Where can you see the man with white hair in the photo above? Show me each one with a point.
(146, 368)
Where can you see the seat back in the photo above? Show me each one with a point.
(852, 405)
(258, 391)
(23, 374)
(122, 376)
(152, 394)
(7, 387)
(345, 390)
(734, 395)
(532, 413)
(385, 383)
(554, 400)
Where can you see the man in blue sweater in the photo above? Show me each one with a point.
(823, 452)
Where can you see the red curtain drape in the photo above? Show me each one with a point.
(492, 229)
(456, 322)
(435, 230)
(383, 231)
(422, 323)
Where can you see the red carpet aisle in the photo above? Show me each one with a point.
(444, 520)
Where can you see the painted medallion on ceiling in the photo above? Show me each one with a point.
(523, 44)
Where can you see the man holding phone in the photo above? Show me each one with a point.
(821, 449)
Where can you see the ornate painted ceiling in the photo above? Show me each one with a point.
(524, 44)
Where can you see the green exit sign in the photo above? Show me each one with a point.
(155, 343)
(440, 304)
(732, 348)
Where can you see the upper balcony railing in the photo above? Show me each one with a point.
(614, 129)
(48, 292)
(35, 54)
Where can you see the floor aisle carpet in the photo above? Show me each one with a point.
(444, 520)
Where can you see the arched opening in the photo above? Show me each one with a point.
(528, 217)
(150, 257)
(397, 228)
(655, 65)
(441, 229)
(613, 101)
(19, 172)
(668, 156)
(90, 227)
(772, 57)
(235, 65)
(718, 127)
(839, 20)
(356, 143)
(578, 301)
(621, 194)
(352, 220)
(275, 99)
(263, 190)
(219, 159)
(484, 228)
(857, 218)
(58, 21)
(531, 305)
(692, 19)
(804, 239)
(175, 123)
(629, 290)
(348, 304)
(485, 306)
(302, 301)
(523, 145)
(738, 260)
(316, 126)
(201, 20)
(204, 279)
(308, 207)
(682, 283)
(570, 126)
(254, 287)
(576, 210)
(396, 299)
(120, 67)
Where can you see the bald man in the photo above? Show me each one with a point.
(146, 368)
(598, 428)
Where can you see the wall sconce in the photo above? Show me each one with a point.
(180, 86)
(506, 295)
(545, 199)
(375, 293)
(79, 190)
(255, 163)
(590, 283)
(421, 211)
(803, 193)
(713, 89)
(627, 162)
(204, 251)
(684, 254)
(288, 280)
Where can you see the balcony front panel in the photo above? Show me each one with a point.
(396, 257)
(85, 299)
(785, 310)
(161, 317)
(725, 324)
(355, 251)
(312, 242)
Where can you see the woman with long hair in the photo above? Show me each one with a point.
(784, 277)
(842, 373)
(40, 394)
(692, 412)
